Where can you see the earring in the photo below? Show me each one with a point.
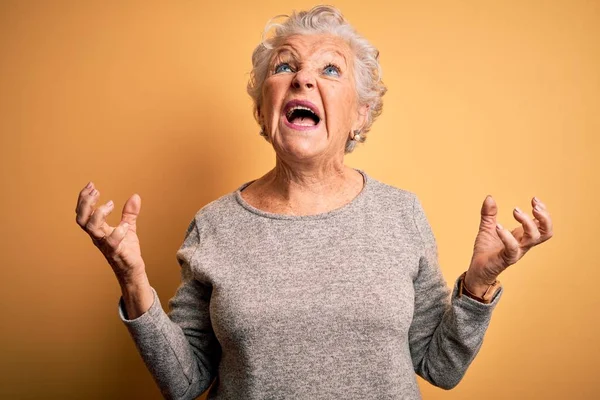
(356, 137)
(262, 132)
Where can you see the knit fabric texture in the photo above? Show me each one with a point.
(347, 304)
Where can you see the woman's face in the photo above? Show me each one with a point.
(309, 104)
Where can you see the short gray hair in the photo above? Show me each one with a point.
(323, 20)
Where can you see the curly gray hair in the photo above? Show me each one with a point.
(323, 20)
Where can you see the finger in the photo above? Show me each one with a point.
(546, 226)
(131, 210)
(87, 188)
(531, 233)
(88, 197)
(83, 193)
(537, 202)
(489, 211)
(96, 225)
(117, 235)
(510, 254)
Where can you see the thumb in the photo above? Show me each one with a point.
(131, 210)
(489, 211)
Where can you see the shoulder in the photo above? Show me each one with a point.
(402, 206)
(390, 197)
(407, 203)
(209, 215)
(217, 211)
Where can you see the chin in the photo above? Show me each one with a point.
(301, 148)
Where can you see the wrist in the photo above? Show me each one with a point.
(484, 295)
(475, 285)
(137, 296)
(133, 280)
(134, 285)
(476, 288)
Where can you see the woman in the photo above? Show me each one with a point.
(315, 280)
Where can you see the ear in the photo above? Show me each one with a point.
(362, 114)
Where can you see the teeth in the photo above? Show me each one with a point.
(291, 110)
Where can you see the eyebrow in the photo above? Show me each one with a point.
(283, 50)
(339, 53)
(288, 49)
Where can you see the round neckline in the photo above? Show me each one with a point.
(345, 208)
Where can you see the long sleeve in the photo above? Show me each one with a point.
(447, 331)
(179, 348)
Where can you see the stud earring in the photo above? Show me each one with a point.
(356, 136)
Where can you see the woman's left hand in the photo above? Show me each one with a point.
(496, 248)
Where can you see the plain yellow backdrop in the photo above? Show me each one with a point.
(485, 97)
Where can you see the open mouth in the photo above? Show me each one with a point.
(301, 114)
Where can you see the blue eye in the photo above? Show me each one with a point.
(332, 70)
(283, 67)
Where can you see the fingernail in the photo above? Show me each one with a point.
(517, 209)
(498, 226)
(537, 208)
(93, 192)
(109, 203)
(536, 200)
(89, 185)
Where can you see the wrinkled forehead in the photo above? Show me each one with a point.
(303, 46)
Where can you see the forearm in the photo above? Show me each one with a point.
(180, 349)
(456, 341)
(137, 296)
(447, 330)
(166, 351)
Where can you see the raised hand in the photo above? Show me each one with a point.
(496, 248)
(120, 245)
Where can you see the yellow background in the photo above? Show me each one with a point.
(485, 97)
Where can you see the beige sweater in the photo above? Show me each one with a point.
(347, 304)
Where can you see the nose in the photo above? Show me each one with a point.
(303, 80)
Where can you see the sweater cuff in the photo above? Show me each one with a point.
(152, 313)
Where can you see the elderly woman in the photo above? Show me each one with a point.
(314, 281)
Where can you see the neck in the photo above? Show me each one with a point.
(323, 179)
(305, 189)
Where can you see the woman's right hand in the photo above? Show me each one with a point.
(120, 245)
